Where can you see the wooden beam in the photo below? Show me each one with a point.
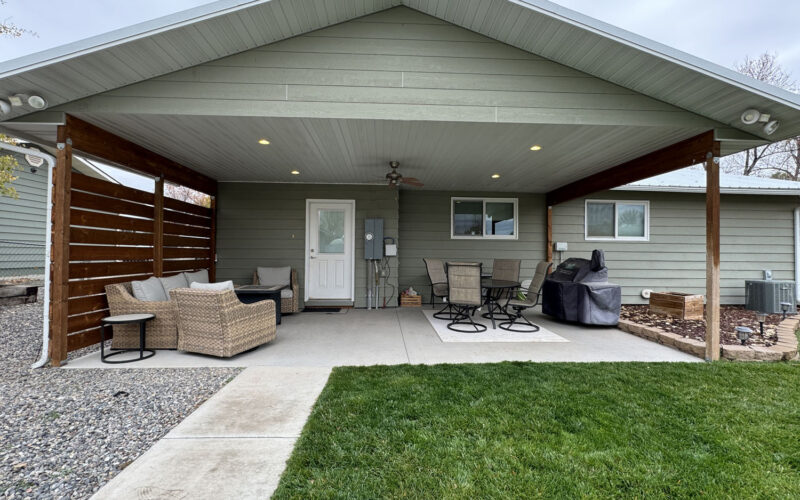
(712, 258)
(679, 155)
(158, 227)
(95, 141)
(549, 223)
(212, 268)
(62, 187)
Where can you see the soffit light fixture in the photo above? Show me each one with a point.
(536, 147)
(495, 176)
(37, 102)
(753, 116)
(263, 142)
(295, 172)
(18, 100)
(5, 107)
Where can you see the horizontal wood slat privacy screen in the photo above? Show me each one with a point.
(106, 233)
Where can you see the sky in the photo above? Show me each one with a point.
(721, 31)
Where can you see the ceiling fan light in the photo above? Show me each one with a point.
(771, 127)
(37, 102)
(750, 116)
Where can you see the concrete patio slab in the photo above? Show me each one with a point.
(234, 446)
(394, 336)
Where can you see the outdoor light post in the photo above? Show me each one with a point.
(743, 333)
(761, 318)
(785, 306)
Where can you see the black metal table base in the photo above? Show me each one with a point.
(142, 350)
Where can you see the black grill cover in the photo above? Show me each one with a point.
(579, 291)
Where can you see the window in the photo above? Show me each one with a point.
(617, 220)
(478, 218)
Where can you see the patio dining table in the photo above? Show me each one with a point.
(494, 292)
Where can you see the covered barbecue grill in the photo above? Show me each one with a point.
(579, 291)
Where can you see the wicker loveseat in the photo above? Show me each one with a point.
(162, 332)
(289, 304)
(218, 324)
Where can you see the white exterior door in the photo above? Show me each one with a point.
(329, 249)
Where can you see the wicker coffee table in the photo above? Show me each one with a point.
(126, 319)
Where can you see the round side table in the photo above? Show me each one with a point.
(126, 319)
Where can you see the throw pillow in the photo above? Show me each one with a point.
(275, 275)
(149, 290)
(223, 285)
(173, 282)
(200, 276)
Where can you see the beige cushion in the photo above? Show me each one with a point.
(223, 285)
(275, 275)
(173, 282)
(287, 293)
(200, 276)
(149, 290)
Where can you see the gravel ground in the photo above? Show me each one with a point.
(65, 433)
(730, 318)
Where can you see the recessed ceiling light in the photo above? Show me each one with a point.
(536, 147)
(263, 141)
(495, 176)
(295, 172)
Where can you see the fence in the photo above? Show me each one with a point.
(21, 259)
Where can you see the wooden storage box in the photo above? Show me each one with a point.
(411, 301)
(676, 304)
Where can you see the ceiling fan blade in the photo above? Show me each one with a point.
(412, 181)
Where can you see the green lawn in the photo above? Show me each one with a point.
(633, 430)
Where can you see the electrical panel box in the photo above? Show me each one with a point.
(373, 239)
(561, 246)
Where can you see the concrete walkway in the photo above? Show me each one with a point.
(234, 446)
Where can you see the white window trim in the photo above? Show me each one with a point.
(515, 201)
(616, 236)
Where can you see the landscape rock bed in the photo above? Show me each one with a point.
(64, 433)
(778, 343)
(730, 318)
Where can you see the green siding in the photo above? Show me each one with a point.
(425, 232)
(264, 225)
(756, 234)
(23, 222)
(395, 64)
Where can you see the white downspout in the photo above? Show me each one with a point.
(797, 254)
(51, 164)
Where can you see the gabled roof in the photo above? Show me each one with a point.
(225, 27)
(693, 180)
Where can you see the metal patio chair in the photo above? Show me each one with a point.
(438, 278)
(464, 295)
(517, 322)
(508, 270)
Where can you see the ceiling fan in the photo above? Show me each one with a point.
(395, 179)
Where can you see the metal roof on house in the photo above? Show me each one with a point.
(693, 180)
(225, 27)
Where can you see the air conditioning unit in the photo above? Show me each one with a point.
(766, 295)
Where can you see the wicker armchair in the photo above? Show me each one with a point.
(288, 304)
(217, 323)
(162, 332)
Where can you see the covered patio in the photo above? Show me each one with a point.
(360, 337)
(271, 118)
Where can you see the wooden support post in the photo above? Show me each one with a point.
(712, 256)
(158, 227)
(212, 245)
(549, 251)
(62, 187)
